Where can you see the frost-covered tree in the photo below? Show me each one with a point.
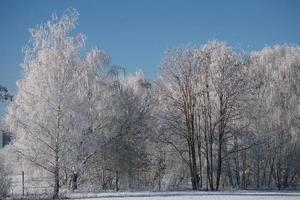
(5, 180)
(179, 90)
(44, 115)
(204, 90)
(127, 151)
(89, 118)
(225, 84)
(277, 159)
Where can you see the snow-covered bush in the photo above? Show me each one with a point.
(5, 180)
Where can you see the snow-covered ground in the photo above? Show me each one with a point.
(247, 195)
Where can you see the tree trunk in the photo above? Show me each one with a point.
(159, 181)
(56, 167)
(229, 172)
(193, 167)
(200, 162)
(117, 180)
(258, 172)
(220, 144)
(192, 151)
(207, 161)
(56, 176)
(271, 172)
(244, 169)
(199, 144)
(211, 158)
(74, 181)
(103, 180)
(237, 164)
(279, 168)
(194, 164)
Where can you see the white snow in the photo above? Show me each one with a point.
(199, 195)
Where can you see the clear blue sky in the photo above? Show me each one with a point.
(136, 33)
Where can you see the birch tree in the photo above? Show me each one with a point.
(41, 114)
(88, 117)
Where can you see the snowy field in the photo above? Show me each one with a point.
(188, 196)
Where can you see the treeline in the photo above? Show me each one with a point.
(215, 118)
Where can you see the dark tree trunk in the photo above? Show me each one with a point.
(271, 172)
(220, 144)
(237, 162)
(211, 160)
(56, 176)
(200, 163)
(103, 180)
(199, 144)
(244, 169)
(74, 181)
(193, 167)
(258, 172)
(117, 180)
(229, 173)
